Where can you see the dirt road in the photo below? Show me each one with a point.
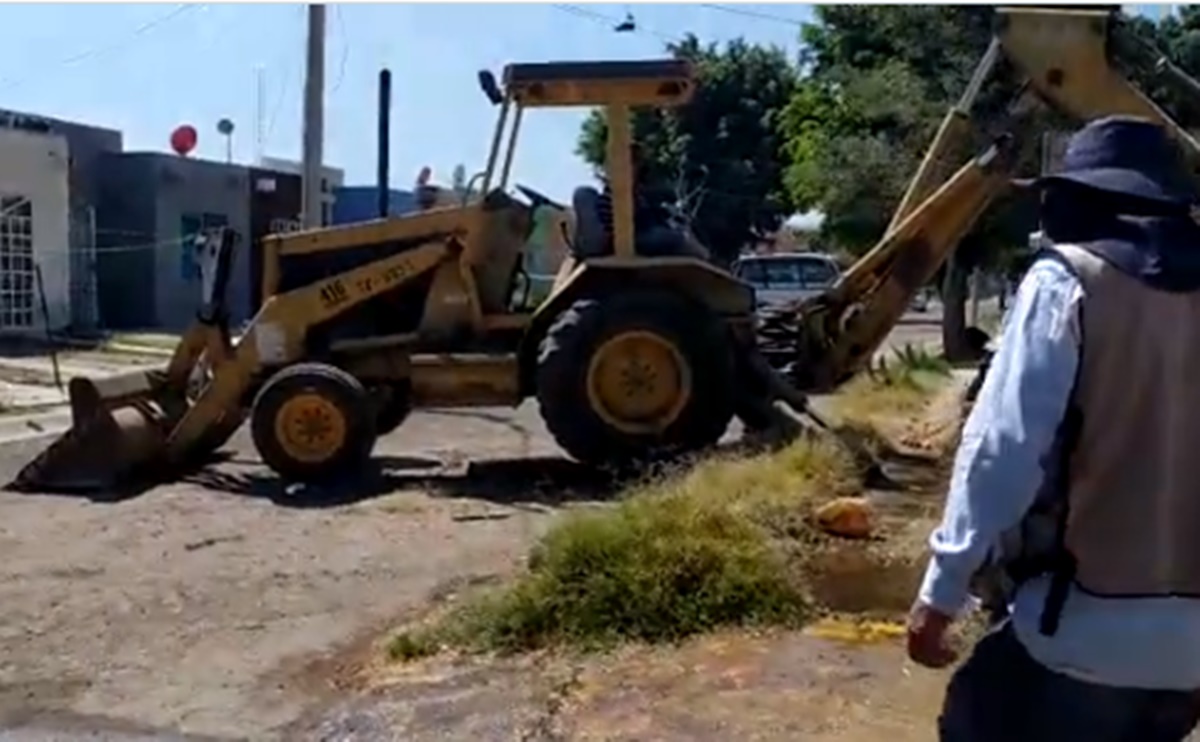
(221, 607)
(776, 687)
(205, 607)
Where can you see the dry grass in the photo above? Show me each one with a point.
(883, 404)
(731, 542)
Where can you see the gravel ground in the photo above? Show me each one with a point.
(209, 606)
(223, 607)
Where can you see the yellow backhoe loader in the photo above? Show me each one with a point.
(631, 356)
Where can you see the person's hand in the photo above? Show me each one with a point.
(927, 642)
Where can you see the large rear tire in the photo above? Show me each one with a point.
(313, 423)
(634, 378)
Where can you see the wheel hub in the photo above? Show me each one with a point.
(310, 428)
(638, 382)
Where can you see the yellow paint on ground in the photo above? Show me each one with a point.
(852, 631)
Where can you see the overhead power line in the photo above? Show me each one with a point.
(294, 72)
(141, 30)
(630, 23)
(736, 10)
(611, 21)
(345, 44)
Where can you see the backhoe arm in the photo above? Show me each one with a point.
(843, 328)
(1064, 58)
(1067, 57)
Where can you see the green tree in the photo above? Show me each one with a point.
(880, 79)
(726, 140)
(1176, 36)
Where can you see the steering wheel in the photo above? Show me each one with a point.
(536, 199)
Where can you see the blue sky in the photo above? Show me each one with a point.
(145, 69)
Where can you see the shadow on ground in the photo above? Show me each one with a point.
(533, 480)
(529, 480)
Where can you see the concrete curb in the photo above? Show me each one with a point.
(136, 350)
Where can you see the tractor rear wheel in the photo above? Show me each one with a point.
(313, 423)
(634, 378)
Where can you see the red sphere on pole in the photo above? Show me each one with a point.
(183, 139)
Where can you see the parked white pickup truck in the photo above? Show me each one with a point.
(783, 278)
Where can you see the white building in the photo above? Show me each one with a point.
(34, 231)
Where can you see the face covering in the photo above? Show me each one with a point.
(1155, 244)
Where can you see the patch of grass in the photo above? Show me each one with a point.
(891, 390)
(729, 542)
(413, 645)
(676, 557)
(918, 359)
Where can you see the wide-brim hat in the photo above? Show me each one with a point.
(1127, 156)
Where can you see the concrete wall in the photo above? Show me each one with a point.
(331, 180)
(86, 145)
(126, 233)
(361, 203)
(35, 169)
(155, 196)
(203, 190)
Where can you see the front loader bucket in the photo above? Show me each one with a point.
(118, 432)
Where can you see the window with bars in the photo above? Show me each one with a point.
(17, 271)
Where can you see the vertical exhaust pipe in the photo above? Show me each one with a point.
(385, 121)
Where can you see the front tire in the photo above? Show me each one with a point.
(634, 378)
(313, 423)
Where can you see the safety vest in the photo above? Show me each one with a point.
(1120, 516)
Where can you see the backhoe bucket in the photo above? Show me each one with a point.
(121, 426)
(118, 432)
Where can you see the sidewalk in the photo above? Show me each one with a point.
(31, 403)
(24, 426)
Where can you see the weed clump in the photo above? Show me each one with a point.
(731, 542)
(653, 570)
(674, 558)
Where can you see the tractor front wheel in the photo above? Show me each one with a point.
(313, 423)
(636, 377)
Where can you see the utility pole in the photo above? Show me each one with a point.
(314, 117)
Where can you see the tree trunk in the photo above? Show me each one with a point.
(954, 312)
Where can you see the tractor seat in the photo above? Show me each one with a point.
(593, 231)
(593, 220)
